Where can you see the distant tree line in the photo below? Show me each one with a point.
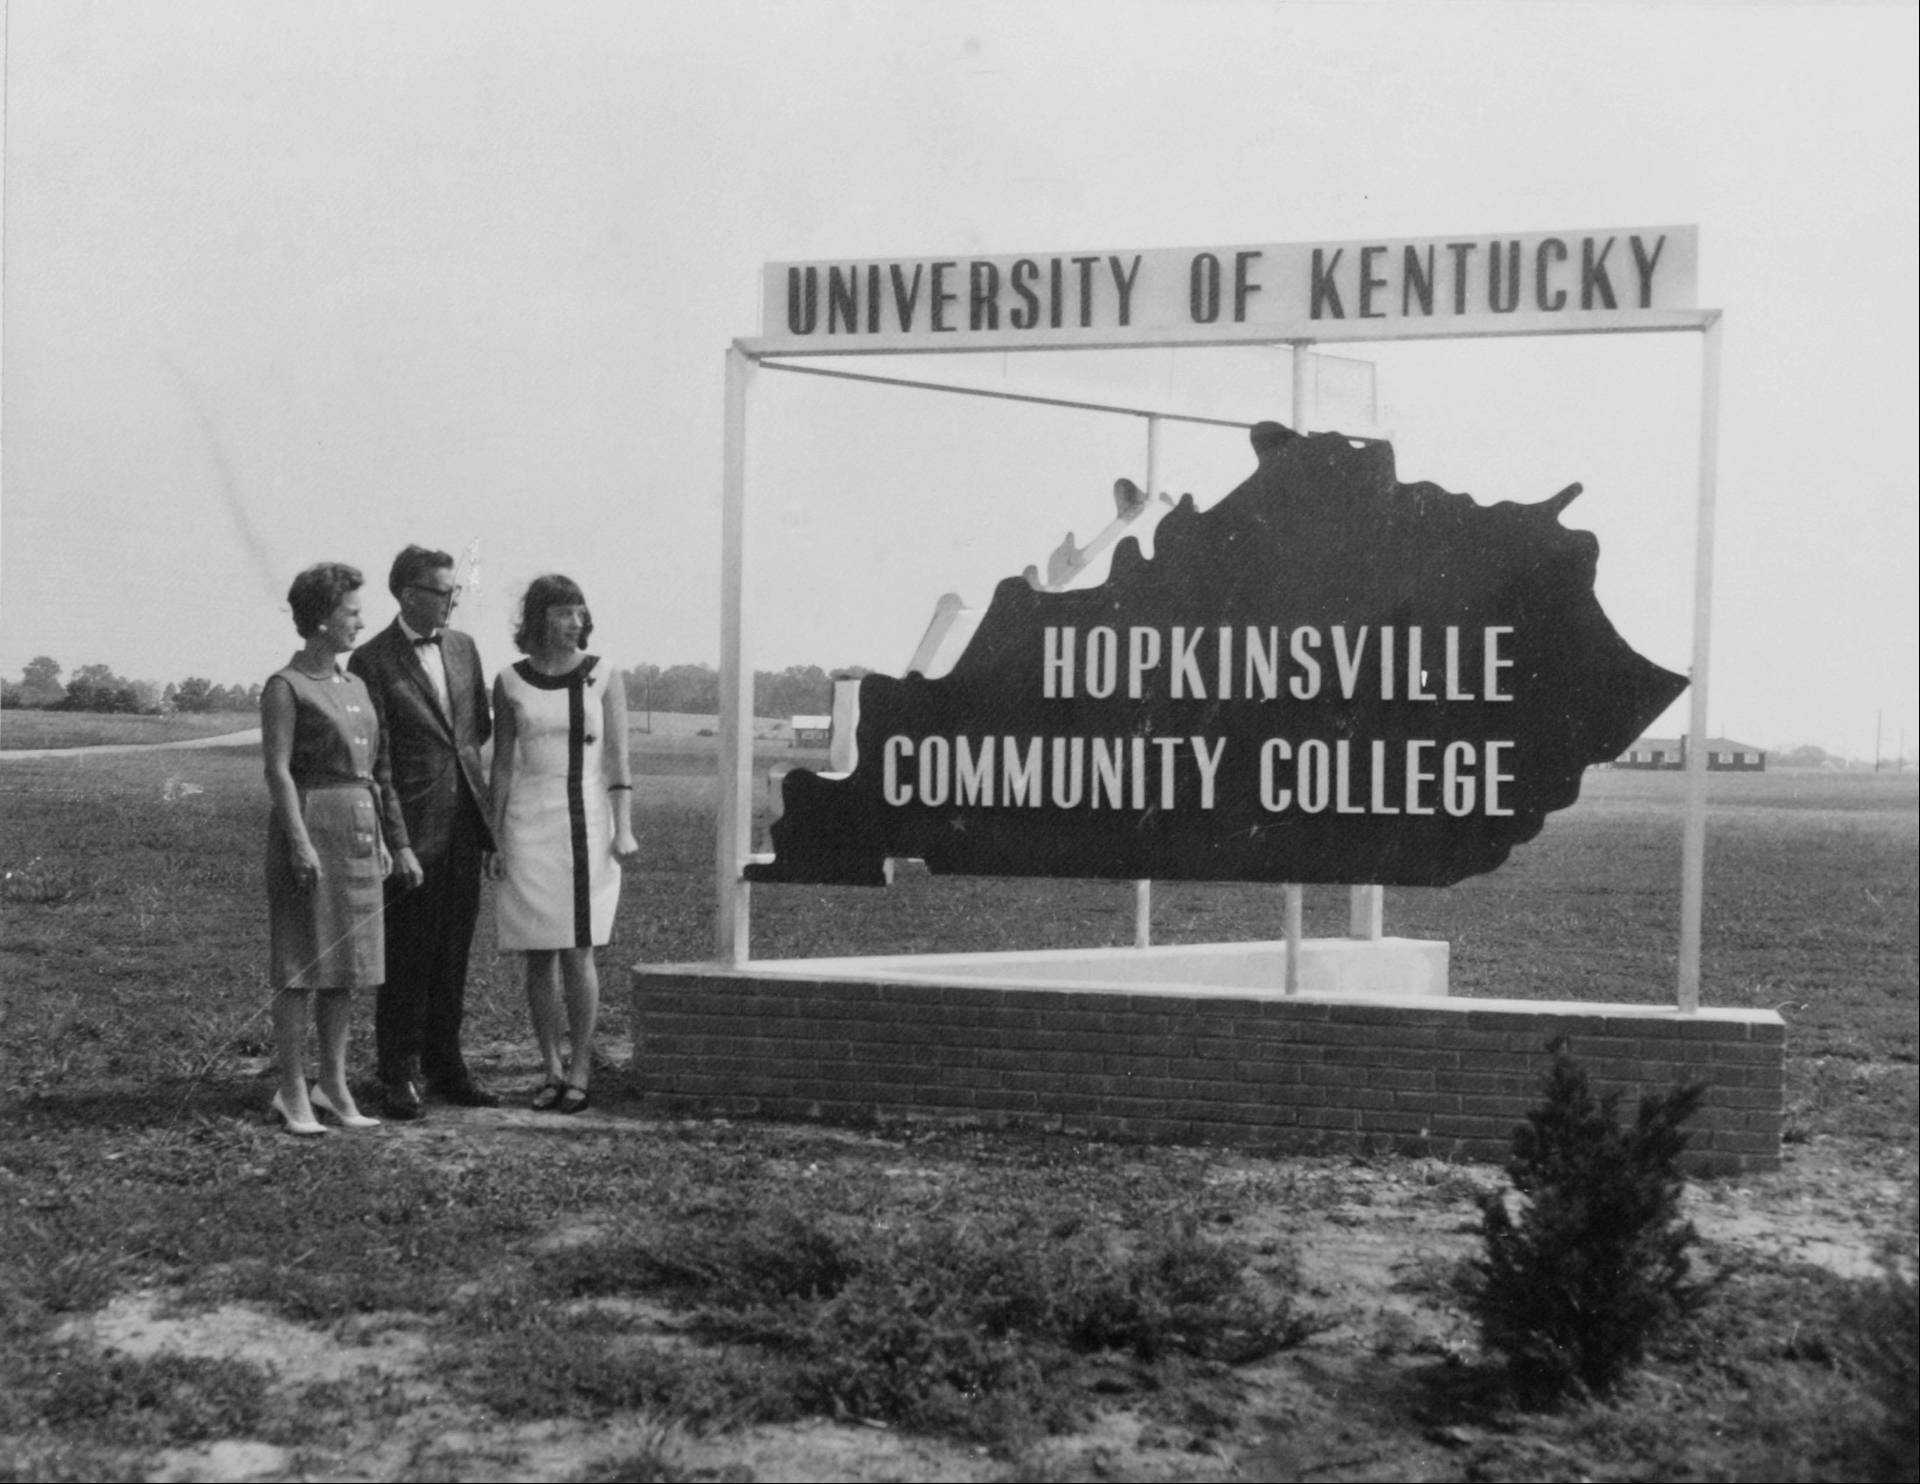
(798, 690)
(1808, 756)
(99, 688)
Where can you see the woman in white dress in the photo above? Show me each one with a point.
(563, 817)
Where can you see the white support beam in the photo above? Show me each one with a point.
(1366, 912)
(733, 829)
(1693, 841)
(1325, 332)
(1301, 413)
(991, 394)
(1292, 897)
(1143, 890)
(1366, 905)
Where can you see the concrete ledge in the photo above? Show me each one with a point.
(986, 1039)
(1328, 966)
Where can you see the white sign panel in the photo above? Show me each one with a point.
(1532, 283)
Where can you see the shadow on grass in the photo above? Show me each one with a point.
(177, 1104)
(174, 1104)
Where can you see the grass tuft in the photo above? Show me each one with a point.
(768, 1258)
(660, 1459)
(44, 883)
(157, 1400)
(969, 1327)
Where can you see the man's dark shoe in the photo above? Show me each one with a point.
(400, 1100)
(467, 1093)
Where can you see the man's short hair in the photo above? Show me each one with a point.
(413, 563)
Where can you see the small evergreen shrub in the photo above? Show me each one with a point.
(1575, 1284)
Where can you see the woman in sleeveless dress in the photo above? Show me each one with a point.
(327, 855)
(562, 799)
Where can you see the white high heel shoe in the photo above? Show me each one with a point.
(305, 1128)
(347, 1120)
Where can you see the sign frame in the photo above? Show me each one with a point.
(746, 357)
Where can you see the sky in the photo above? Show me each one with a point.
(312, 281)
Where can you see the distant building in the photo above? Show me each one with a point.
(812, 731)
(1724, 755)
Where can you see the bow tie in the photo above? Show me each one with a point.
(433, 639)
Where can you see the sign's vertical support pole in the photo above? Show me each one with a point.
(1366, 912)
(1693, 847)
(1143, 890)
(1291, 895)
(733, 830)
(1366, 905)
(1301, 414)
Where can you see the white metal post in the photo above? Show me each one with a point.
(1366, 912)
(1693, 847)
(733, 828)
(1143, 890)
(1291, 895)
(1366, 905)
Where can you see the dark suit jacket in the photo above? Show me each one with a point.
(434, 758)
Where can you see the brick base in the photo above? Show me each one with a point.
(1246, 1068)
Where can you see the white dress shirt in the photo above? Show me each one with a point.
(435, 664)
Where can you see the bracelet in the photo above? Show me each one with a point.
(619, 788)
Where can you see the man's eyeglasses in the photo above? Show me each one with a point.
(449, 595)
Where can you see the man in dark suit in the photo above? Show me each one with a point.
(431, 697)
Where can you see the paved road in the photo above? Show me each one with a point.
(225, 739)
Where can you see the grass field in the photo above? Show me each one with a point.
(677, 1300)
(24, 730)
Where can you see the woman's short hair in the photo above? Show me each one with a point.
(550, 591)
(317, 591)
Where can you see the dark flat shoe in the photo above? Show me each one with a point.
(468, 1094)
(572, 1099)
(548, 1097)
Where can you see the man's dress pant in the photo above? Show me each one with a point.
(419, 1009)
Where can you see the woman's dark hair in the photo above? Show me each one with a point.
(551, 591)
(317, 591)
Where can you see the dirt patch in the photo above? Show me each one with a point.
(231, 1459)
(143, 1325)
